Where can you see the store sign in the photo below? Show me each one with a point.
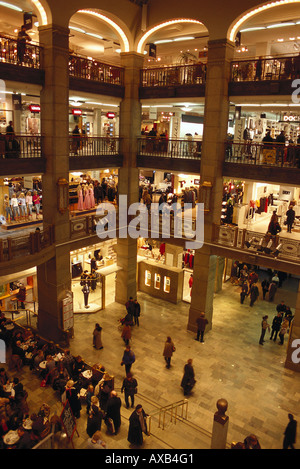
(34, 108)
(76, 112)
(110, 115)
(290, 118)
(27, 20)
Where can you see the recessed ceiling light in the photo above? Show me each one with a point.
(9, 5)
(256, 28)
(280, 25)
(186, 38)
(163, 41)
(97, 36)
(79, 30)
(280, 40)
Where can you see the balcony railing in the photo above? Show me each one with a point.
(9, 53)
(169, 147)
(93, 146)
(255, 242)
(90, 69)
(271, 154)
(281, 68)
(173, 76)
(20, 146)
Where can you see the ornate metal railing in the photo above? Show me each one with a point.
(92, 146)
(276, 68)
(32, 56)
(20, 146)
(90, 69)
(274, 154)
(169, 147)
(174, 76)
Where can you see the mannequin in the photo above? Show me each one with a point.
(7, 209)
(80, 197)
(15, 207)
(92, 197)
(22, 205)
(86, 202)
(28, 200)
(37, 203)
(86, 291)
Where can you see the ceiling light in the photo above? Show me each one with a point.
(280, 25)
(9, 5)
(163, 41)
(257, 28)
(97, 36)
(292, 38)
(280, 40)
(79, 30)
(186, 38)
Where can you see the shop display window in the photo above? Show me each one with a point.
(167, 284)
(157, 281)
(148, 278)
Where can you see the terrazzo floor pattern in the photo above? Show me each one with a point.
(230, 364)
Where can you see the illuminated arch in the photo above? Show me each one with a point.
(114, 25)
(234, 28)
(42, 12)
(144, 38)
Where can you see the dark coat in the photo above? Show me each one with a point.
(74, 401)
(113, 411)
(290, 431)
(135, 433)
(94, 421)
(188, 379)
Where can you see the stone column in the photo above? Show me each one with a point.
(220, 426)
(220, 54)
(203, 288)
(130, 130)
(293, 348)
(54, 276)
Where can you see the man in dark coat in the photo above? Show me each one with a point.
(188, 381)
(254, 293)
(113, 410)
(290, 433)
(137, 426)
(276, 325)
(137, 312)
(290, 214)
(201, 324)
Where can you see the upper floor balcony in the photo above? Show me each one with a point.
(273, 162)
(23, 154)
(264, 76)
(169, 153)
(173, 82)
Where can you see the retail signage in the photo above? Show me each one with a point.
(17, 101)
(67, 311)
(152, 50)
(76, 112)
(269, 156)
(291, 118)
(27, 20)
(110, 115)
(34, 108)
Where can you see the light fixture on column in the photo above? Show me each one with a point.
(63, 195)
(268, 247)
(205, 194)
(248, 243)
(259, 247)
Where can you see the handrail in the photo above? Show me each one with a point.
(20, 146)
(261, 69)
(82, 145)
(169, 147)
(263, 153)
(178, 75)
(9, 53)
(172, 408)
(83, 67)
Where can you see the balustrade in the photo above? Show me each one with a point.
(276, 68)
(265, 153)
(179, 75)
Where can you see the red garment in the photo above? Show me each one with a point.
(162, 249)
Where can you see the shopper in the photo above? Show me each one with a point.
(129, 387)
(21, 43)
(265, 287)
(113, 411)
(264, 327)
(94, 420)
(128, 359)
(169, 348)
(201, 325)
(188, 380)
(97, 337)
(283, 330)
(276, 325)
(72, 396)
(290, 218)
(137, 426)
(130, 307)
(254, 294)
(126, 333)
(96, 442)
(281, 307)
(272, 291)
(137, 312)
(290, 433)
(244, 291)
(251, 442)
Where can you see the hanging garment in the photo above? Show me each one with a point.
(80, 200)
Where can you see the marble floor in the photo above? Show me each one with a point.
(230, 364)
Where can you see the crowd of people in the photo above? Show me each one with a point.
(280, 324)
